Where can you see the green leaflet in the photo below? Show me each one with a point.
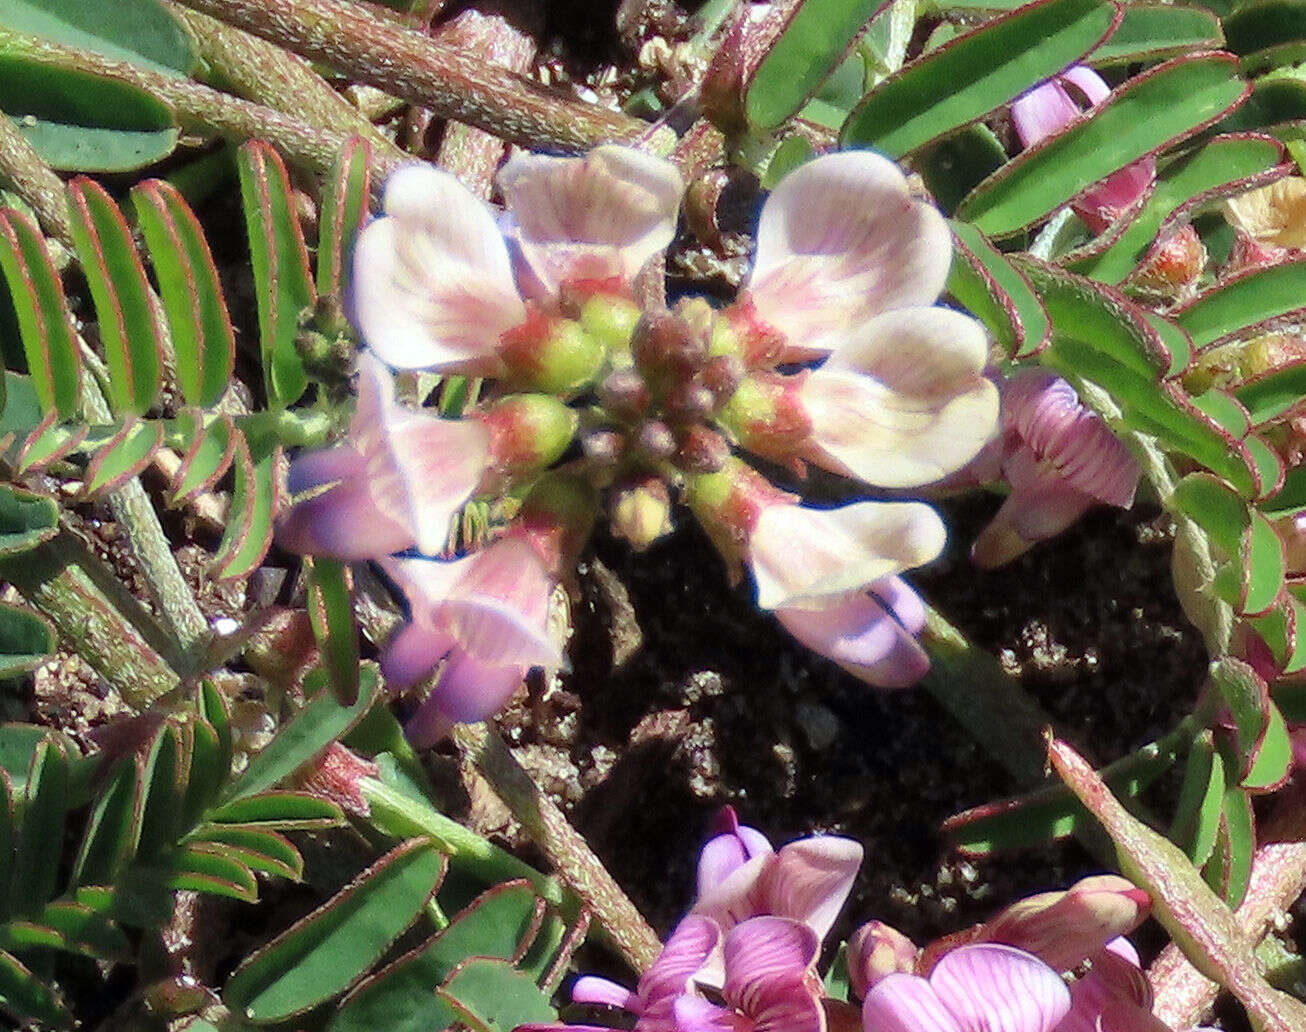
(1152, 32)
(971, 75)
(1145, 115)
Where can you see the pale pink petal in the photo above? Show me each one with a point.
(841, 240)
(512, 571)
(433, 286)
(1041, 507)
(1063, 929)
(902, 400)
(1118, 193)
(413, 653)
(1092, 85)
(340, 520)
(1114, 996)
(734, 898)
(603, 992)
(1000, 989)
(862, 636)
(1042, 112)
(591, 218)
(427, 583)
(722, 855)
(809, 880)
(314, 469)
(800, 555)
(875, 951)
(420, 469)
(496, 634)
(906, 1003)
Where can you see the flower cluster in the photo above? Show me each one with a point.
(834, 354)
(744, 958)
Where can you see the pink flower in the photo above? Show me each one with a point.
(1114, 996)
(1060, 458)
(685, 954)
(741, 877)
(1047, 109)
(770, 984)
(484, 616)
(395, 481)
(841, 241)
(434, 283)
(972, 989)
(875, 951)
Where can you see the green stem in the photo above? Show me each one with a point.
(620, 922)
(409, 64)
(97, 617)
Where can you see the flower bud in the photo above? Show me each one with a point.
(528, 431)
(876, 950)
(335, 775)
(552, 355)
(701, 450)
(664, 343)
(604, 446)
(610, 320)
(1063, 929)
(640, 511)
(767, 416)
(655, 440)
(624, 394)
(722, 376)
(1175, 267)
(689, 402)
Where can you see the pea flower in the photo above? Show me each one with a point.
(1060, 459)
(485, 617)
(740, 877)
(830, 576)
(394, 482)
(434, 281)
(1047, 109)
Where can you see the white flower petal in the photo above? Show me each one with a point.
(903, 401)
(799, 554)
(840, 240)
(433, 285)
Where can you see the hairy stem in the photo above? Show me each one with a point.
(97, 617)
(1184, 995)
(203, 109)
(376, 50)
(23, 171)
(269, 75)
(621, 924)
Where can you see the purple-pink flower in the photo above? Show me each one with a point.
(1049, 108)
(740, 877)
(482, 620)
(1060, 458)
(394, 482)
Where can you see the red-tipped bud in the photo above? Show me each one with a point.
(334, 775)
(551, 355)
(665, 343)
(1063, 929)
(640, 511)
(624, 394)
(875, 951)
(528, 432)
(655, 440)
(701, 450)
(767, 416)
(1176, 266)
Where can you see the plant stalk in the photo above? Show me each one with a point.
(202, 109)
(23, 170)
(406, 63)
(1184, 995)
(621, 924)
